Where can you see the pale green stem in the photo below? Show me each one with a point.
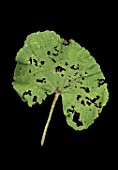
(49, 118)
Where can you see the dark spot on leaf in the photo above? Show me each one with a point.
(100, 82)
(48, 52)
(41, 80)
(29, 71)
(66, 63)
(78, 97)
(83, 103)
(86, 73)
(62, 75)
(42, 62)
(30, 60)
(53, 60)
(59, 69)
(35, 99)
(35, 62)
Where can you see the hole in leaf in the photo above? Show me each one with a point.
(35, 99)
(30, 60)
(35, 62)
(78, 97)
(56, 48)
(62, 75)
(42, 62)
(83, 78)
(79, 123)
(94, 100)
(72, 67)
(53, 60)
(59, 69)
(75, 73)
(75, 68)
(86, 89)
(55, 54)
(30, 71)
(41, 80)
(88, 103)
(69, 110)
(66, 86)
(83, 103)
(48, 52)
(66, 63)
(27, 93)
(76, 119)
(100, 82)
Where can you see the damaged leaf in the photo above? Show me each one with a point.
(49, 64)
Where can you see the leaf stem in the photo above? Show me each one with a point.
(49, 117)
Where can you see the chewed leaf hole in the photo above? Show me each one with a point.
(35, 62)
(83, 103)
(66, 63)
(43, 80)
(88, 103)
(35, 99)
(86, 89)
(100, 82)
(76, 119)
(27, 93)
(48, 52)
(42, 62)
(78, 97)
(30, 60)
(59, 69)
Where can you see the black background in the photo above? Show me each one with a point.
(91, 26)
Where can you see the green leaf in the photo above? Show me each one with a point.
(48, 64)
